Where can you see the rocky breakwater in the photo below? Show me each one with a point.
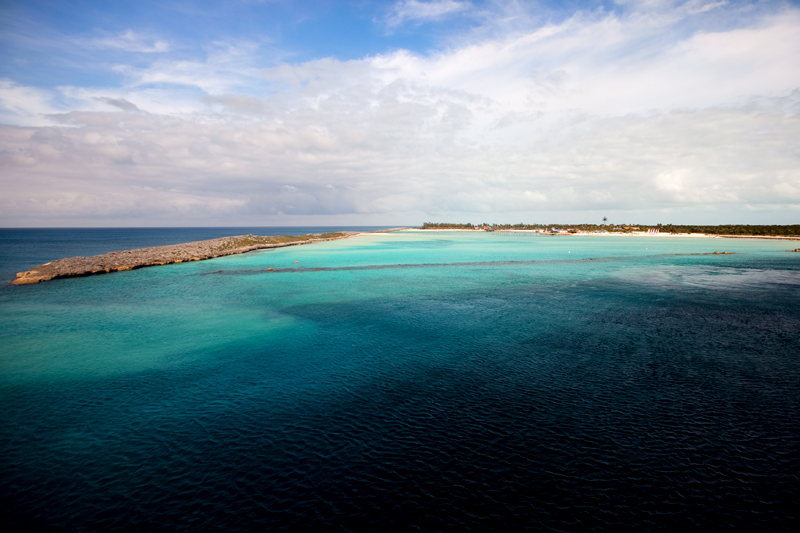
(165, 255)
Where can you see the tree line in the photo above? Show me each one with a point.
(792, 230)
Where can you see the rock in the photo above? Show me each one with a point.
(162, 255)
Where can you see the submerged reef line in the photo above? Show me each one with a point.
(165, 255)
(245, 272)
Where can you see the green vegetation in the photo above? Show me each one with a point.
(445, 225)
(726, 229)
(736, 229)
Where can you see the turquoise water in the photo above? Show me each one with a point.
(413, 379)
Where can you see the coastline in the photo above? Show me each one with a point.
(772, 237)
(120, 261)
(615, 234)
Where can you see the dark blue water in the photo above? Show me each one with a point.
(654, 390)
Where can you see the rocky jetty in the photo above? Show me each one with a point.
(165, 255)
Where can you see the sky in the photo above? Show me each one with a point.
(285, 113)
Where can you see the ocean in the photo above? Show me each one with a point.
(407, 381)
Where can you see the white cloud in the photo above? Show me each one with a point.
(701, 6)
(156, 166)
(131, 41)
(600, 112)
(25, 105)
(416, 11)
(226, 66)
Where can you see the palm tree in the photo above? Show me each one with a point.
(604, 220)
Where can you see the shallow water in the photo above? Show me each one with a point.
(412, 380)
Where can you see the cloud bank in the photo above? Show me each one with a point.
(653, 113)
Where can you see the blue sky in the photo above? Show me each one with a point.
(323, 112)
(285, 31)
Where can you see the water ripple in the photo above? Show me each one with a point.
(600, 405)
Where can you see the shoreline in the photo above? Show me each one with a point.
(615, 234)
(120, 261)
(772, 237)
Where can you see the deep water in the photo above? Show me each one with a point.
(448, 381)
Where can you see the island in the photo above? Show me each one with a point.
(164, 255)
(728, 231)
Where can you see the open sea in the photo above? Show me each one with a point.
(410, 381)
